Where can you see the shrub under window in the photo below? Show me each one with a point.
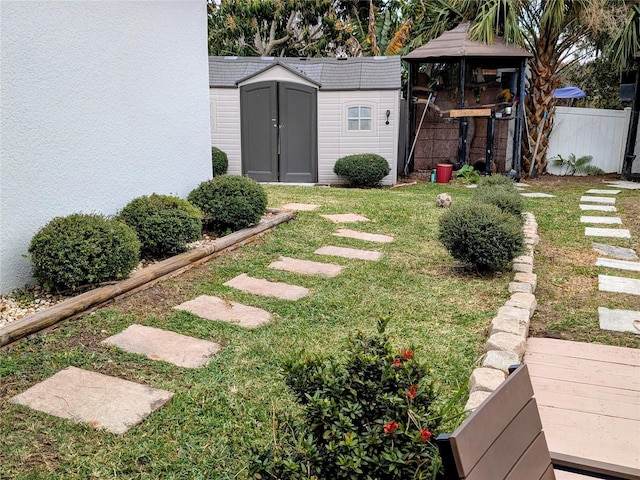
(219, 161)
(364, 169)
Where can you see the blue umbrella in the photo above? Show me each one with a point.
(568, 92)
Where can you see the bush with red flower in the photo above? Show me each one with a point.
(371, 416)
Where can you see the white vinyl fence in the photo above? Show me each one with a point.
(589, 131)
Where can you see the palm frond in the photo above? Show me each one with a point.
(399, 39)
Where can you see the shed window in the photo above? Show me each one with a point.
(359, 118)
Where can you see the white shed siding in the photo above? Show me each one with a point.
(225, 120)
(588, 131)
(334, 141)
(101, 102)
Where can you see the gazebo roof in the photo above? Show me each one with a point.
(455, 44)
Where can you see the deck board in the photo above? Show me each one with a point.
(589, 400)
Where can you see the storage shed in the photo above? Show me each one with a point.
(290, 119)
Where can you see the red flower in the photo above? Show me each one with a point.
(390, 427)
(413, 390)
(408, 353)
(425, 434)
(397, 362)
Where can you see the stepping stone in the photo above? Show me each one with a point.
(306, 267)
(522, 184)
(607, 283)
(214, 308)
(537, 195)
(599, 208)
(603, 192)
(265, 288)
(350, 253)
(302, 207)
(367, 237)
(171, 347)
(619, 264)
(99, 400)
(346, 218)
(617, 252)
(605, 200)
(607, 232)
(473, 185)
(607, 220)
(619, 320)
(625, 185)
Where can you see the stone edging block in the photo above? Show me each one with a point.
(510, 327)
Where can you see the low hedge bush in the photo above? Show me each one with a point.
(164, 224)
(362, 170)
(82, 249)
(229, 202)
(507, 200)
(219, 161)
(371, 416)
(492, 181)
(482, 235)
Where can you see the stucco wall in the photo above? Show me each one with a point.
(100, 102)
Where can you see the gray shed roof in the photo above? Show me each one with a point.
(360, 73)
(456, 44)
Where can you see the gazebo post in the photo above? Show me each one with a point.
(462, 129)
(517, 141)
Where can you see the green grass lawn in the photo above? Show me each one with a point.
(223, 411)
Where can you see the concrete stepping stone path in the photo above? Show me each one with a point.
(617, 252)
(99, 400)
(301, 207)
(265, 288)
(619, 320)
(607, 283)
(602, 220)
(599, 208)
(607, 232)
(597, 191)
(214, 308)
(625, 185)
(171, 347)
(603, 200)
(367, 237)
(537, 195)
(346, 218)
(307, 267)
(349, 253)
(619, 264)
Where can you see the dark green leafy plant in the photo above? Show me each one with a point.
(371, 416)
(164, 224)
(482, 235)
(229, 202)
(362, 170)
(219, 161)
(82, 249)
(468, 174)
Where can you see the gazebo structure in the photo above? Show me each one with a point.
(632, 134)
(465, 104)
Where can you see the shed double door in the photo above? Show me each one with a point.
(279, 132)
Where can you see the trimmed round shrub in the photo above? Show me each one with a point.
(164, 224)
(230, 202)
(482, 235)
(219, 161)
(497, 181)
(507, 200)
(362, 170)
(82, 249)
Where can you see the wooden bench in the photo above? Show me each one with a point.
(503, 440)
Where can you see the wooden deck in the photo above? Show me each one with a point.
(589, 401)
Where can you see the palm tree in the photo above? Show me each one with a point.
(558, 33)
